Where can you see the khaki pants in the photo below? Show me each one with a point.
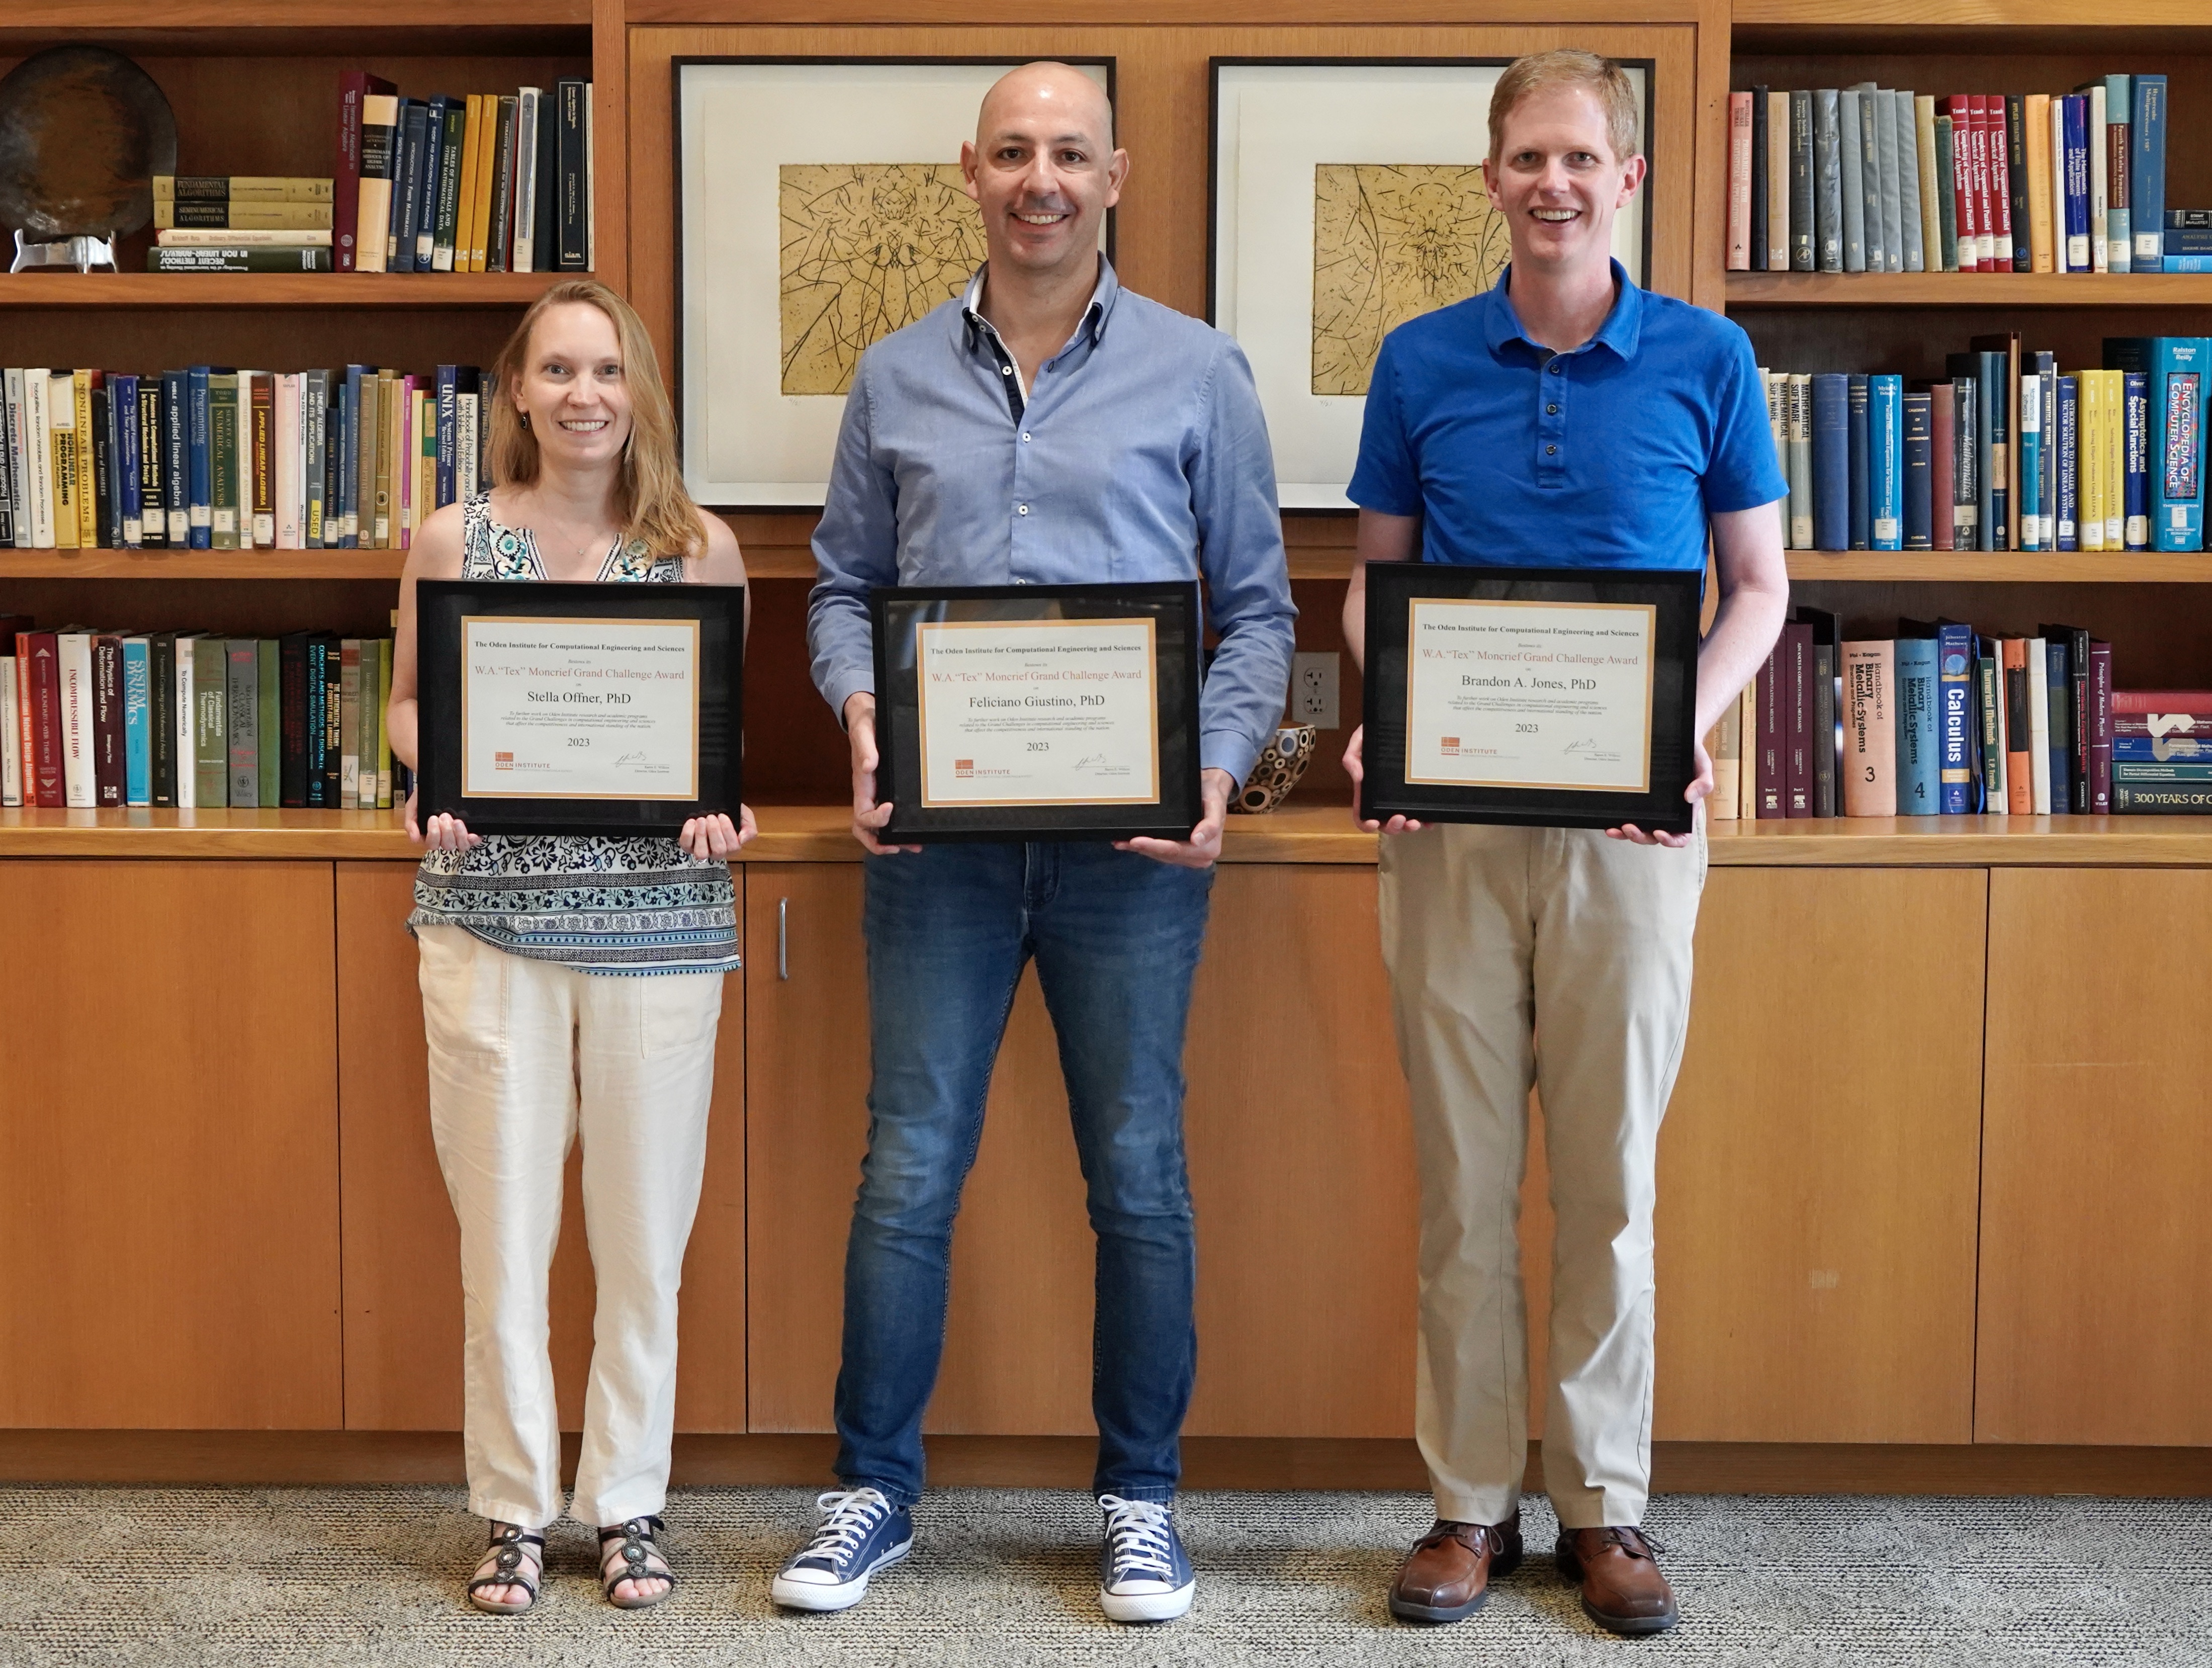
(1492, 934)
(524, 1055)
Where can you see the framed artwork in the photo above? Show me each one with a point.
(819, 207)
(1347, 197)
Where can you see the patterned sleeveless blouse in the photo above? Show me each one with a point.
(600, 905)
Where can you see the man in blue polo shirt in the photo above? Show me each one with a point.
(1564, 418)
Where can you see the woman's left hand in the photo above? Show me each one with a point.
(708, 837)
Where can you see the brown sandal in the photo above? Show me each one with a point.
(641, 1561)
(514, 1564)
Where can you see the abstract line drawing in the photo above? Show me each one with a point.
(867, 248)
(1392, 241)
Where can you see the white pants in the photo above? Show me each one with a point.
(1494, 935)
(524, 1055)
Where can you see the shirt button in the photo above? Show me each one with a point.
(1549, 450)
(1555, 370)
(1021, 509)
(1553, 410)
(1025, 439)
(1006, 371)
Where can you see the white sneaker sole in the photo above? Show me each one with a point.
(1147, 1606)
(839, 1596)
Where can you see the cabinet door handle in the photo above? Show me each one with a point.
(783, 938)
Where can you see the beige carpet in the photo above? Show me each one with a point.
(271, 1578)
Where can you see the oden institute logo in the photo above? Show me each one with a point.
(503, 761)
(963, 767)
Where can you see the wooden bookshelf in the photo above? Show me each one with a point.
(333, 291)
(1986, 567)
(1977, 289)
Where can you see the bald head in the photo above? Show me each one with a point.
(1048, 102)
(1043, 170)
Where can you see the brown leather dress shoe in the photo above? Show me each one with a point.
(1623, 1591)
(1448, 1573)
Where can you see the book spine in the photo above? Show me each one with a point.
(161, 717)
(1901, 113)
(2078, 718)
(1995, 381)
(333, 690)
(211, 721)
(1832, 462)
(287, 494)
(199, 401)
(1821, 741)
(1799, 416)
(1919, 474)
(1802, 255)
(183, 708)
(1989, 710)
(2031, 464)
(1869, 777)
(73, 663)
(368, 727)
(2183, 364)
(1885, 464)
(1889, 181)
(2013, 114)
(1756, 252)
(292, 719)
(1994, 245)
(223, 460)
(1933, 249)
(1962, 181)
(242, 743)
(1947, 200)
(546, 189)
(349, 724)
(1917, 776)
(1954, 652)
(1797, 714)
(499, 240)
(1942, 455)
(106, 529)
(11, 733)
(2059, 724)
(90, 477)
(176, 456)
(264, 459)
(266, 723)
(465, 223)
(2119, 236)
(110, 766)
(2068, 502)
(1772, 773)
(2147, 171)
(574, 164)
(19, 457)
(524, 214)
(2135, 492)
(2076, 177)
(2037, 109)
(425, 249)
(1850, 181)
(345, 203)
(445, 230)
(384, 653)
(155, 504)
(2097, 157)
(1859, 504)
(130, 469)
(380, 144)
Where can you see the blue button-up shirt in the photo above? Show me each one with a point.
(1140, 454)
(1615, 455)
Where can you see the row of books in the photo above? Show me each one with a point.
(1869, 178)
(194, 719)
(221, 222)
(2003, 452)
(210, 458)
(493, 182)
(1943, 721)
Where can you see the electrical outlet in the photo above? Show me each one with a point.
(1313, 689)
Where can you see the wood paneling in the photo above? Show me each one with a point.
(2097, 1162)
(403, 1277)
(1161, 97)
(1302, 1162)
(1817, 1172)
(1018, 1334)
(168, 1147)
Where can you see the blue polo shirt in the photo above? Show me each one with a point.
(1611, 456)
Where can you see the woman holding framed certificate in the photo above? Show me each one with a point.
(535, 1035)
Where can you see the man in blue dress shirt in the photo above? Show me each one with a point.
(1565, 418)
(1047, 427)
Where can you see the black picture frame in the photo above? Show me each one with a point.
(1178, 619)
(1675, 595)
(441, 605)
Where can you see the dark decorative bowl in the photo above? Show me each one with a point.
(83, 131)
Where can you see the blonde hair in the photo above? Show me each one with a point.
(649, 492)
(1568, 67)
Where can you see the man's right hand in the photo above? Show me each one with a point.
(1351, 768)
(867, 815)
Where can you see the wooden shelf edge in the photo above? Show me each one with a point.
(1298, 834)
(77, 16)
(327, 290)
(1955, 13)
(202, 564)
(2051, 567)
(1982, 290)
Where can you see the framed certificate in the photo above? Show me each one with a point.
(1562, 698)
(1037, 712)
(579, 709)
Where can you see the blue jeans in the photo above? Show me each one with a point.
(1117, 939)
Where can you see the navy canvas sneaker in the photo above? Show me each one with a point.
(1144, 1575)
(862, 1533)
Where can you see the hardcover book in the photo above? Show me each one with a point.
(1869, 777)
(1851, 201)
(1919, 779)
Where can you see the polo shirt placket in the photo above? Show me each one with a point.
(1022, 408)
(1552, 384)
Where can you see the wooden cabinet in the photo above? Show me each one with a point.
(168, 1147)
(2096, 1161)
(1017, 1333)
(403, 1274)
(1818, 1167)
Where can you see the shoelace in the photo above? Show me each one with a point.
(1137, 1533)
(1635, 1542)
(853, 1516)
